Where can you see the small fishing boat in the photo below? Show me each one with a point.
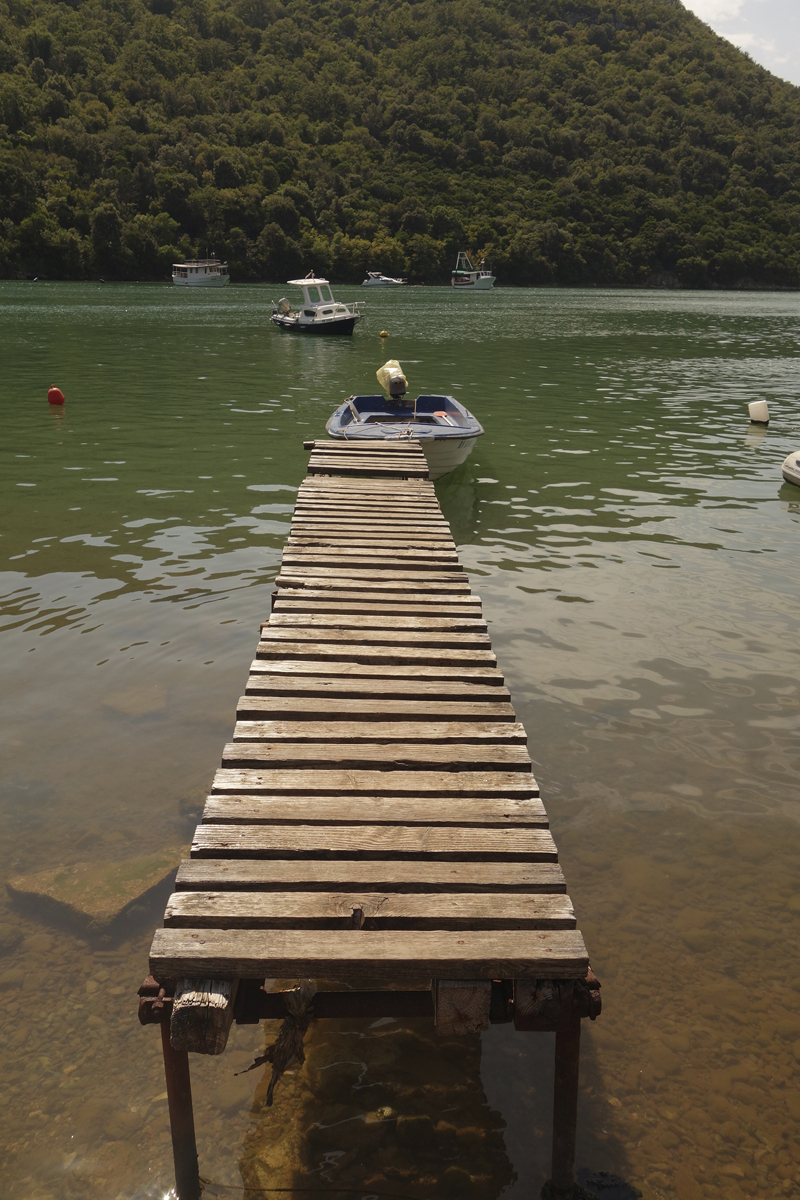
(466, 278)
(319, 312)
(200, 272)
(790, 468)
(375, 279)
(446, 430)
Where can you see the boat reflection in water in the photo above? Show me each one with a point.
(446, 430)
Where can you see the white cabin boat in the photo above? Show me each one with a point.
(375, 279)
(319, 312)
(200, 272)
(466, 278)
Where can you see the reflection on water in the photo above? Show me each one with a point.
(636, 551)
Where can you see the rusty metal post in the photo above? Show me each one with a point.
(181, 1118)
(565, 1109)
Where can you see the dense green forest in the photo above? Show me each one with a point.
(611, 143)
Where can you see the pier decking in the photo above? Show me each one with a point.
(374, 819)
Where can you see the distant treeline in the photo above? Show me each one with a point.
(567, 142)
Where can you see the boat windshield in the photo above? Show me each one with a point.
(327, 295)
(313, 295)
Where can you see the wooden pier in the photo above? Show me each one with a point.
(374, 820)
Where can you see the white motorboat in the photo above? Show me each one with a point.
(375, 279)
(200, 272)
(790, 468)
(467, 278)
(446, 430)
(319, 312)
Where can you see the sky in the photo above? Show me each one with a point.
(769, 30)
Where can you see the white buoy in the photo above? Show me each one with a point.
(790, 468)
(759, 413)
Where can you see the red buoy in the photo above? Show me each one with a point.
(55, 396)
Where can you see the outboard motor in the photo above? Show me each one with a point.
(392, 380)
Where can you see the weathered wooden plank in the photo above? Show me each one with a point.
(374, 506)
(364, 621)
(350, 543)
(374, 654)
(362, 679)
(369, 523)
(419, 536)
(462, 615)
(352, 556)
(387, 910)
(395, 469)
(368, 654)
(372, 581)
(344, 710)
(362, 453)
(358, 560)
(354, 781)
(373, 810)
(427, 604)
(361, 449)
(389, 956)
(345, 729)
(377, 507)
(402, 515)
(366, 468)
(275, 635)
(441, 842)
(376, 445)
(387, 492)
(398, 447)
(202, 1015)
(381, 756)
(408, 876)
(375, 500)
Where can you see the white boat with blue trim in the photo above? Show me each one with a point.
(446, 430)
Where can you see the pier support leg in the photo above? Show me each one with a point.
(565, 1110)
(181, 1118)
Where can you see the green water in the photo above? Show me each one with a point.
(637, 555)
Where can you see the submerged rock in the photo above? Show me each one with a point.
(97, 896)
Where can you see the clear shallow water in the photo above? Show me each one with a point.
(636, 551)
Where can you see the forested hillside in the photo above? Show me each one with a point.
(568, 142)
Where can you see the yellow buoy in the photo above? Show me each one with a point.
(384, 333)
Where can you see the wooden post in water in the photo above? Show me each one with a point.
(181, 1118)
(565, 1109)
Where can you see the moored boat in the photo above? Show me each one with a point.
(375, 279)
(468, 278)
(319, 312)
(200, 272)
(790, 468)
(446, 430)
